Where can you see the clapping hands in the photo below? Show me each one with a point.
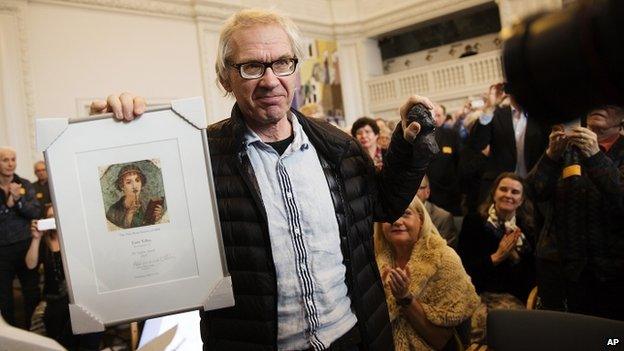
(398, 280)
(507, 247)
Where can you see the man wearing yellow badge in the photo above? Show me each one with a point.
(41, 186)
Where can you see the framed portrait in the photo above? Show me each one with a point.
(136, 213)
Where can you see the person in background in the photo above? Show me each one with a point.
(459, 122)
(470, 170)
(18, 207)
(427, 289)
(442, 219)
(56, 316)
(448, 119)
(580, 251)
(366, 131)
(381, 123)
(449, 122)
(472, 163)
(442, 172)
(512, 141)
(385, 135)
(41, 186)
(469, 50)
(496, 244)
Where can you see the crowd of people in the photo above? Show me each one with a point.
(371, 240)
(24, 249)
(528, 217)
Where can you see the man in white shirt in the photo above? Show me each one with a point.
(516, 142)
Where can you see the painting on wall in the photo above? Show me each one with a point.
(319, 93)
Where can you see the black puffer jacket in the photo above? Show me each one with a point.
(360, 195)
(15, 221)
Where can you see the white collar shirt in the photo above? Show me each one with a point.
(313, 308)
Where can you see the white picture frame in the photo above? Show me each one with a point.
(121, 266)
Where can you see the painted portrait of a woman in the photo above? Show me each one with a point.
(134, 209)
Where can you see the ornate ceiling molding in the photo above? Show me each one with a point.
(154, 7)
(214, 12)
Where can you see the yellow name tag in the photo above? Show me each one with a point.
(572, 170)
(39, 195)
(447, 150)
(22, 191)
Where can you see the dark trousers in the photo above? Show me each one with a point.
(350, 341)
(588, 295)
(596, 298)
(12, 264)
(551, 285)
(58, 327)
(484, 190)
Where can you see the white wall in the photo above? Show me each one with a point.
(78, 54)
(15, 89)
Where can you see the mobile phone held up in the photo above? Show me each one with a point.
(46, 224)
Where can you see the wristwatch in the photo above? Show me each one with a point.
(404, 301)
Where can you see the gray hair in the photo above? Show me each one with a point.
(248, 18)
(7, 149)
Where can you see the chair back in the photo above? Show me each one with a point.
(521, 330)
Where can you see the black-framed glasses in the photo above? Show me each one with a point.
(253, 70)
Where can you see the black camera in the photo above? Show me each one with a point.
(419, 113)
(562, 64)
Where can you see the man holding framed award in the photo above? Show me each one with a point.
(297, 199)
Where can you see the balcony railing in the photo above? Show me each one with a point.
(441, 81)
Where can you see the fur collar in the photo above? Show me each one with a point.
(422, 265)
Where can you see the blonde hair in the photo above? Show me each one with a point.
(7, 150)
(246, 19)
(312, 109)
(427, 229)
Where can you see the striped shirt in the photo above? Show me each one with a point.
(313, 308)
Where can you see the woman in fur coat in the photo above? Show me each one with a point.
(427, 289)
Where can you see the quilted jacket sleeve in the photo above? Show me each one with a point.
(404, 167)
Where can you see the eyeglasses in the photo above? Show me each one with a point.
(254, 70)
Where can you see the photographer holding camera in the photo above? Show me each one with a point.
(580, 251)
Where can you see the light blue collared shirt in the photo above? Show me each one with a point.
(313, 308)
